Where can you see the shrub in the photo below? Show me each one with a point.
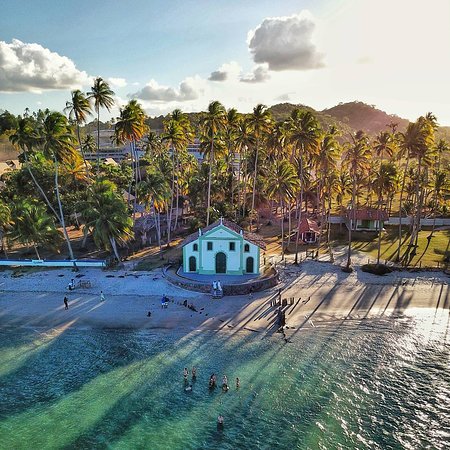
(376, 269)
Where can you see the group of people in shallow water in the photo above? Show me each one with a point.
(212, 384)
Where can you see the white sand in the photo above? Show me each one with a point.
(327, 293)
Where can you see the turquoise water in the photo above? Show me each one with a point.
(370, 385)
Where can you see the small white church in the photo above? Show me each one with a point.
(222, 248)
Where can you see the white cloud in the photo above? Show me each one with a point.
(28, 67)
(154, 92)
(117, 82)
(226, 71)
(285, 43)
(259, 75)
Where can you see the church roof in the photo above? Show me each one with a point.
(308, 225)
(250, 237)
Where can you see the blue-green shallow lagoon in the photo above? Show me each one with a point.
(358, 385)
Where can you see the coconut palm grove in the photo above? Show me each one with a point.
(272, 166)
(225, 225)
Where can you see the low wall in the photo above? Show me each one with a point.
(53, 263)
(260, 284)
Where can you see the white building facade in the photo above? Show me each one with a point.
(222, 248)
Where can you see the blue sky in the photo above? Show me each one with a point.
(171, 54)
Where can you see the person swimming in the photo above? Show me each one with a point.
(194, 372)
(220, 421)
(225, 383)
(238, 382)
(212, 381)
(185, 373)
(188, 388)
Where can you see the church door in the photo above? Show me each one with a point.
(249, 265)
(192, 264)
(221, 263)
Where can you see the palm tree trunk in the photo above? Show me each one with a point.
(177, 201)
(238, 206)
(63, 224)
(114, 247)
(41, 191)
(254, 182)
(282, 228)
(402, 189)
(380, 229)
(36, 250)
(300, 209)
(288, 206)
(136, 168)
(98, 141)
(352, 222)
(169, 216)
(211, 159)
(82, 152)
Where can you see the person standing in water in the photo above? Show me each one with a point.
(225, 383)
(185, 373)
(220, 421)
(102, 296)
(194, 372)
(66, 303)
(238, 382)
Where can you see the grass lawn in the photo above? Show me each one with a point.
(438, 248)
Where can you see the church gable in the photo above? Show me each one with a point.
(221, 232)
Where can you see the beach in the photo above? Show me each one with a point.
(320, 292)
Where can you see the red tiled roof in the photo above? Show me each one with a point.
(308, 225)
(250, 237)
(366, 214)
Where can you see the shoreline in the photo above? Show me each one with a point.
(322, 293)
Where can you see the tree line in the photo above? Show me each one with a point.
(294, 167)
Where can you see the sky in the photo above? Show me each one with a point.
(167, 54)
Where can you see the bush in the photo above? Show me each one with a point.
(376, 269)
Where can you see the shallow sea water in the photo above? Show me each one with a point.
(376, 384)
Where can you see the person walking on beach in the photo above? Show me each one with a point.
(102, 296)
(66, 303)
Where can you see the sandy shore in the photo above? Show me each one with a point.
(321, 292)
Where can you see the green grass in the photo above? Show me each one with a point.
(432, 256)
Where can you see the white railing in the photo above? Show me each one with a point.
(54, 262)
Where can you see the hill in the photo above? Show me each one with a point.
(360, 116)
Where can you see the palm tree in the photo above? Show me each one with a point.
(325, 165)
(79, 109)
(439, 179)
(105, 214)
(384, 182)
(184, 123)
(130, 126)
(417, 142)
(102, 96)
(282, 184)
(175, 137)
(356, 157)
(303, 135)
(57, 143)
(244, 141)
(233, 121)
(155, 192)
(25, 138)
(261, 123)
(31, 225)
(213, 122)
